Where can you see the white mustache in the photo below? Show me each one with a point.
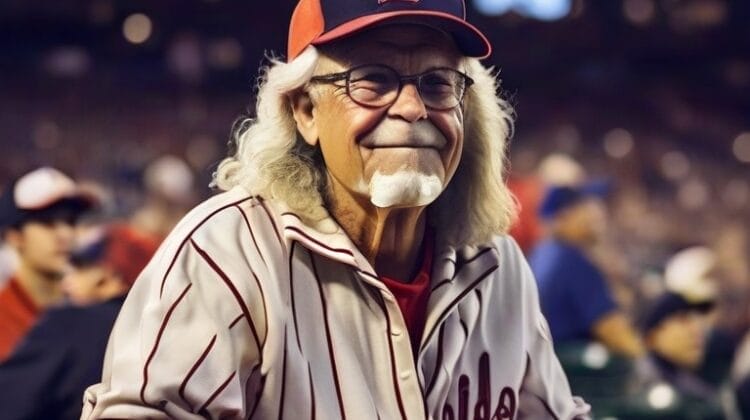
(400, 134)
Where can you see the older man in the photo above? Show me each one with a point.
(354, 268)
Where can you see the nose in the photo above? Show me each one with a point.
(408, 105)
(64, 230)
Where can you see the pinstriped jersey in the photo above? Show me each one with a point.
(248, 312)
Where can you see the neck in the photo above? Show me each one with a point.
(390, 238)
(572, 237)
(43, 288)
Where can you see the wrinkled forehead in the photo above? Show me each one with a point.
(395, 43)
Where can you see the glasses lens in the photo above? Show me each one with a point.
(373, 85)
(442, 88)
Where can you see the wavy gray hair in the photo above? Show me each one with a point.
(272, 161)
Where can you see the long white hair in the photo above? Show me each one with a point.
(273, 161)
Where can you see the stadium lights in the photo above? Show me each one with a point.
(547, 10)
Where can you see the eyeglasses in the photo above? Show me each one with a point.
(377, 85)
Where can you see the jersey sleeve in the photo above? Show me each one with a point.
(545, 392)
(189, 337)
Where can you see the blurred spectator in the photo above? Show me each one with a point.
(695, 274)
(528, 192)
(64, 353)
(108, 265)
(675, 331)
(169, 194)
(574, 294)
(554, 170)
(37, 215)
(677, 328)
(732, 274)
(561, 170)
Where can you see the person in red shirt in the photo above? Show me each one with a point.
(38, 212)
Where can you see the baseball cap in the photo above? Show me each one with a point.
(120, 247)
(316, 22)
(42, 194)
(689, 272)
(669, 304)
(560, 197)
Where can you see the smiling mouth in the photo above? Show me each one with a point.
(402, 146)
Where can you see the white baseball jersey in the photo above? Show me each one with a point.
(247, 312)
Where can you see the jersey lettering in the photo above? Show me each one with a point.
(506, 402)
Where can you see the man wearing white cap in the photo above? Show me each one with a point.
(37, 215)
(357, 265)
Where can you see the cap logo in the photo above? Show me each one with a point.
(382, 2)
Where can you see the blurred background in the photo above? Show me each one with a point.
(139, 97)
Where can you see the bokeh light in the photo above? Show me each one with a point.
(741, 147)
(544, 9)
(675, 165)
(618, 143)
(693, 194)
(639, 12)
(224, 54)
(185, 58)
(538, 9)
(567, 137)
(67, 62)
(736, 194)
(137, 28)
(661, 396)
(493, 7)
(595, 356)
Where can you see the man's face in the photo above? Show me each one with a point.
(680, 338)
(82, 285)
(401, 155)
(44, 246)
(587, 219)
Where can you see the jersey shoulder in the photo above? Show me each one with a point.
(231, 217)
(512, 262)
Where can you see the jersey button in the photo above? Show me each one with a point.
(405, 374)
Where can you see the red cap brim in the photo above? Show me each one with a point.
(469, 40)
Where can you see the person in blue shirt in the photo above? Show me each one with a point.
(574, 294)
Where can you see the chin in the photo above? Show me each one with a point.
(690, 362)
(404, 189)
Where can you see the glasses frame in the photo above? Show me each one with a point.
(416, 79)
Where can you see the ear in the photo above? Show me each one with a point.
(14, 238)
(303, 110)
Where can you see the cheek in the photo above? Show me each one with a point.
(450, 124)
(341, 128)
(38, 242)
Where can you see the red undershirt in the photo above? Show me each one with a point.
(412, 296)
(18, 313)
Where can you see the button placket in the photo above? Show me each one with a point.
(402, 354)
